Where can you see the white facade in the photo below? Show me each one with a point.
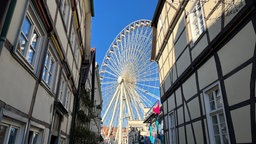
(206, 55)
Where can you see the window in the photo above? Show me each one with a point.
(197, 23)
(49, 70)
(172, 128)
(215, 116)
(67, 104)
(62, 90)
(33, 137)
(29, 39)
(65, 11)
(8, 134)
(62, 140)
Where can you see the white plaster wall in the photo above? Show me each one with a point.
(61, 32)
(194, 108)
(43, 105)
(174, 73)
(180, 45)
(207, 73)
(52, 7)
(178, 97)
(214, 27)
(189, 87)
(69, 57)
(213, 23)
(186, 114)
(179, 27)
(167, 82)
(238, 50)
(17, 85)
(171, 103)
(198, 132)
(180, 115)
(183, 62)
(182, 135)
(200, 46)
(16, 21)
(165, 107)
(161, 90)
(238, 86)
(242, 124)
(189, 134)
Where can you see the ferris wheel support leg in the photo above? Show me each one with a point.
(127, 103)
(112, 118)
(120, 122)
(110, 103)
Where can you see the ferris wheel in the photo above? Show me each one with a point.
(129, 80)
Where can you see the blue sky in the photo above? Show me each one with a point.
(111, 16)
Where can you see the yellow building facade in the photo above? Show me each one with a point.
(41, 48)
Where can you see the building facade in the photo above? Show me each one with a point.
(41, 48)
(96, 122)
(207, 66)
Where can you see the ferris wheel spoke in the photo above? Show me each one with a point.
(135, 105)
(147, 79)
(138, 99)
(140, 84)
(148, 93)
(144, 99)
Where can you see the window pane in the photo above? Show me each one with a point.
(217, 139)
(212, 105)
(26, 26)
(22, 44)
(30, 137)
(13, 135)
(46, 59)
(34, 40)
(223, 128)
(30, 56)
(35, 138)
(216, 129)
(2, 133)
(225, 139)
(219, 102)
(50, 65)
(222, 119)
(44, 73)
(214, 119)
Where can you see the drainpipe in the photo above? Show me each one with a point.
(6, 17)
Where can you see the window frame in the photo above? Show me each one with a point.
(50, 55)
(195, 37)
(63, 89)
(8, 131)
(216, 112)
(36, 26)
(172, 127)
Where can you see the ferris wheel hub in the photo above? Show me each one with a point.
(120, 80)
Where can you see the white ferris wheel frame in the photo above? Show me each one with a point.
(128, 76)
